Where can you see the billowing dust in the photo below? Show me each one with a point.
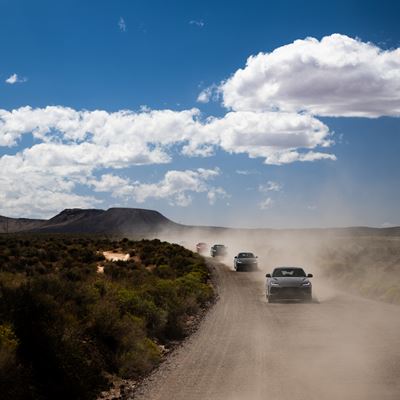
(342, 345)
(356, 263)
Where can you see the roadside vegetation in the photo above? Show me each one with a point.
(71, 320)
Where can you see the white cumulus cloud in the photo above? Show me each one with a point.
(14, 78)
(266, 203)
(125, 138)
(209, 93)
(122, 24)
(204, 96)
(28, 188)
(276, 137)
(334, 76)
(270, 186)
(176, 187)
(70, 147)
(200, 23)
(246, 172)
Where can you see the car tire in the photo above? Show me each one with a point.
(270, 299)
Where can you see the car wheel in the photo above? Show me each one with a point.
(270, 299)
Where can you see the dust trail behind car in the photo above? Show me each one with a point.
(341, 346)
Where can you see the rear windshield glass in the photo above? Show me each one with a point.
(288, 272)
(246, 255)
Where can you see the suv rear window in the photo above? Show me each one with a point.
(289, 273)
(246, 255)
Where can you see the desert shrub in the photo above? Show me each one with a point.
(64, 326)
(139, 359)
(165, 294)
(13, 377)
(137, 304)
(164, 271)
(120, 270)
(65, 365)
(191, 286)
(8, 348)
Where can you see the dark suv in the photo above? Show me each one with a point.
(245, 261)
(218, 250)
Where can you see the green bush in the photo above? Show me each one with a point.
(8, 348)
(13, 377)
(64, 326)
(139, 359)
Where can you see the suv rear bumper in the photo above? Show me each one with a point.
(290, 292)
(246, 266)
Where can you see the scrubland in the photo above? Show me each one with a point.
(71, 321)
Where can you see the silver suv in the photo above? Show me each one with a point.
(288, 283)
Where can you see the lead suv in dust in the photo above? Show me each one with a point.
(288, 283)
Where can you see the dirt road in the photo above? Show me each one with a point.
(338, 347)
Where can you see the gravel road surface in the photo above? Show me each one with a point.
(338, 347)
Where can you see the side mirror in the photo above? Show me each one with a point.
(268, 276)
(235, 256)
(309, 275)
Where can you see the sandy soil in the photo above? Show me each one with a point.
(100, 269)
(111, 256)
(338, 347)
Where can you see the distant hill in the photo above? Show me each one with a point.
(11, 225)
(67, 219)
(137, 221)
(113, 221)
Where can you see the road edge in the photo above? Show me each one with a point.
(127, 389)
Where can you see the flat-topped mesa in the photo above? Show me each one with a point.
(113, 220)
(132, 220)
(70, 215)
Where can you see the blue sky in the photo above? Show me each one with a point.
(333, 124)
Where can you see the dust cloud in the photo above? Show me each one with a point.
(341, 346)
(359, 261)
